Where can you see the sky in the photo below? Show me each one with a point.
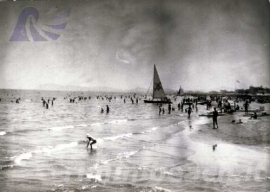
(196, 44)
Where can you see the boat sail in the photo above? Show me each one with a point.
(180, 92)
(158, 91)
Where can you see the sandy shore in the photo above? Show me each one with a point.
(237, 155)
(251, 132)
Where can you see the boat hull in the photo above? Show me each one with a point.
(202, 103)
(157, 101)
(188, 103)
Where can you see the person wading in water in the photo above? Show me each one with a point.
(215, 115)
(91, 141)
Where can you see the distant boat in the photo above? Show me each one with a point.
(180, 92)
(159, 95)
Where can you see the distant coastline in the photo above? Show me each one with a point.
(252, 90)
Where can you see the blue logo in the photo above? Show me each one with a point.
(28, 27)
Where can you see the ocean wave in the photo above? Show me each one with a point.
(118, 137)
(88, 186)
(166, 126)
(132, 187)
(151, 130)
(117, 121)
(6, 167)
(168, 173)
(126, 154)
(61, 127)
(262, 178)
(25, 156)
(64, 146)
(23, 131)
(2, 133)
(82, 125)
(119, 156)
(94, 177)
(41, 129)
(94, 124)
(57, 128)
(157, 188)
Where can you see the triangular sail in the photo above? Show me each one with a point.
(158, 91)
(180, 91)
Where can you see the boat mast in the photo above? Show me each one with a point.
(154, 82)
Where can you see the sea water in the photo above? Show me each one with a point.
(137, 149)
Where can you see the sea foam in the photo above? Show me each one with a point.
(61, 127)
(94, 177)
(2, 133)
(25, 156)
(118, 136)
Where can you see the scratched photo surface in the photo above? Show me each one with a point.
(71, 68)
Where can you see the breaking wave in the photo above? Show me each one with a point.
(28, 155)
(2, 133)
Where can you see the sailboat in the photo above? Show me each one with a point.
(180, 92)
(159, 95)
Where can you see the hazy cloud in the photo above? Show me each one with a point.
(196, 44)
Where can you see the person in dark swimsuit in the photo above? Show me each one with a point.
(91, 141)
(215, 115)
(246, 105)
(189, 110)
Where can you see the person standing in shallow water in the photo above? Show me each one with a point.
(107, 109)
(47, 105)
(189, 111)
(215, 115)
(246, 105)
(159, 110)
(169, 109)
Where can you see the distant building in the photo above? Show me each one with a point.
(242, 91)
(223, 91)
(257, 90)
(254, 90)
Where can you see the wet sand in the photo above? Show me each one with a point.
(236, 155)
